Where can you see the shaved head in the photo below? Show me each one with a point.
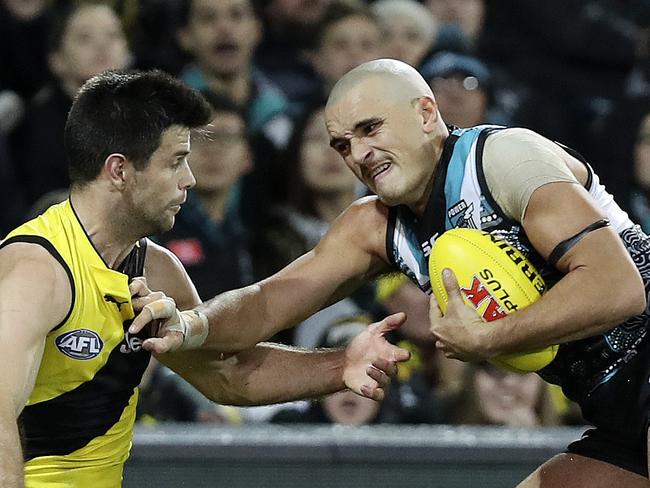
(390, 78)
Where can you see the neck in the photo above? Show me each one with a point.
(110, 234)
(236, 87)
(214, 202)
(437, 148)
(329, 206)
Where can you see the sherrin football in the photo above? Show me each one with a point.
(495, 278)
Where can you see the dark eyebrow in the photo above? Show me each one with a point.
(180, 153)
(362, 124)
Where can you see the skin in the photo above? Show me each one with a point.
(384, 121)
(116, 209)
(93, 42)
(222, 36)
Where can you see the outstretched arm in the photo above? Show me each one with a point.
(35, 296)
(352, 252)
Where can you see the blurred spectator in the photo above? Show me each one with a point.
(494, 396)
(23, 66)
(316, 188)
(85, 40)
(288, 38)
(428, 382)
(209, 237)
(574, 55)
(11, 197)
(408, 29)
(344, 407)
(463, 89)
(462, 23)
(221, 36)
(347, 36)
(622, 157)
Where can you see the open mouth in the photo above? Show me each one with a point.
(225, 49)
(378, 170)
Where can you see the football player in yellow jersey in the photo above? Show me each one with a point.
(70, 367)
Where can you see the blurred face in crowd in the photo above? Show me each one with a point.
(220, 157)
(348, 408)
(384, 138)
(93, 42)
(461, 100)
(321, 167)
(410, 299)
(507, 398)
(642, 154)
(305, 12)
(222, 35)
(347, 43)
(468, 14)
(156, 193)
(403, 39)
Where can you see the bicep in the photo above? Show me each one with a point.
(35, 296)
(558, 211)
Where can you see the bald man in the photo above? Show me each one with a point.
(542, 197)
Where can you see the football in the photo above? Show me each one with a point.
(495, 278)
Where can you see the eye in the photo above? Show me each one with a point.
(373, 126)
(342, 147)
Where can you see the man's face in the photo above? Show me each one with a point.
(155, 194)
(348, 43)
(222, 155)
(383, 141)
(222, 35)
(93, 42)
(321, 168)
(404, 40)
(462, 100)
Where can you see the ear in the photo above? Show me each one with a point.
(116, 168)
(428, 109)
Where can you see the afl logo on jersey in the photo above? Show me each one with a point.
(80, 344)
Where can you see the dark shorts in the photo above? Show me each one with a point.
(620, 411)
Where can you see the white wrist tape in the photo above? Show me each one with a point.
(193, 325)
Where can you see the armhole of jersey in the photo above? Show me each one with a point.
(47, 245)
(580, 157)
(485, 190)
(390, 231)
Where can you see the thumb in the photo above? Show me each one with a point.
(451, 286)
(391, 322)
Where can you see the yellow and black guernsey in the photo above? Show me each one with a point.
(78, 422)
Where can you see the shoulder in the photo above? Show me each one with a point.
(364, 223)
(165, 272)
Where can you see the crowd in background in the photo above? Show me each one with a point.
(268, 184)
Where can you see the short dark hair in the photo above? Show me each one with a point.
(337, 11)
(184, 11)
(127, 112)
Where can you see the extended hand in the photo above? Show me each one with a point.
(159, 310)
(370, 360)
(460, 333)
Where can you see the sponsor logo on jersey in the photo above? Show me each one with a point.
(130, 344)
(80, 344)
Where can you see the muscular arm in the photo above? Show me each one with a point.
(600, 289)
(352, 252)
(265, 373)
(35, 296)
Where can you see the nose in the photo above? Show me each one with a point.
(188, 180)
(360, 151)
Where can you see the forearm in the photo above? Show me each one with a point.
(11, 460)
(578, 306)
(272, 373)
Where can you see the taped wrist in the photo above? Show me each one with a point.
(194, 327)
(563, 247)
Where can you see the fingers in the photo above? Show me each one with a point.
(138, 287)
(139, 302)
(160, 309)
(435, 312)
(391, 322)
(399, 354)
(451, 285)
(372, 392)
(161, 345)
(388, 367)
